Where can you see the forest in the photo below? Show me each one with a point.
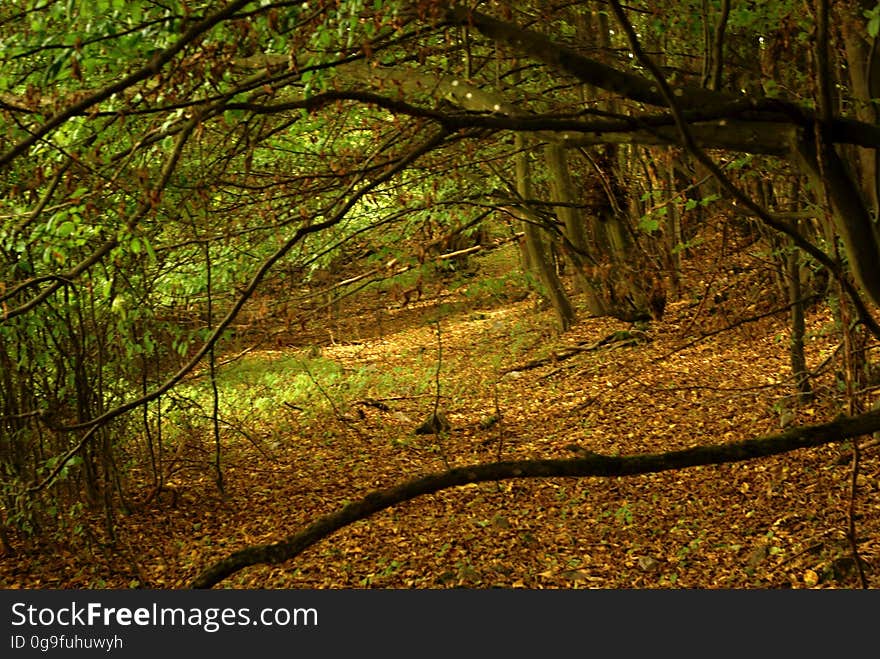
(411, 294)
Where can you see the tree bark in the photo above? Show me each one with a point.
(863, 68)
(572, 219)
(798, 324)
(537, 250)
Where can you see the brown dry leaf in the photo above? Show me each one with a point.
(811, 578)
(707, 527)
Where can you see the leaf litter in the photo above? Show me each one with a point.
(778, 522)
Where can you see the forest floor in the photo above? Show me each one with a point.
(779, 522)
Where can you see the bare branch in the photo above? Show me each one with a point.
(595, 465)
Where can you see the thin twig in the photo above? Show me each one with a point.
(438, 427)
(851, 513)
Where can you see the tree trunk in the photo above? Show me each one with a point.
(575, 232)
(538, 253)
(863, 67)
(798, 325)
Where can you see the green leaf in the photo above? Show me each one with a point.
(649, 224)
(150, 252)
(65, 229)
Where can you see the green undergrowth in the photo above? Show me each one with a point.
(274, 394)
(271, 395)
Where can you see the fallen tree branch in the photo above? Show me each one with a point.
(618, 339)
(594, 465)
